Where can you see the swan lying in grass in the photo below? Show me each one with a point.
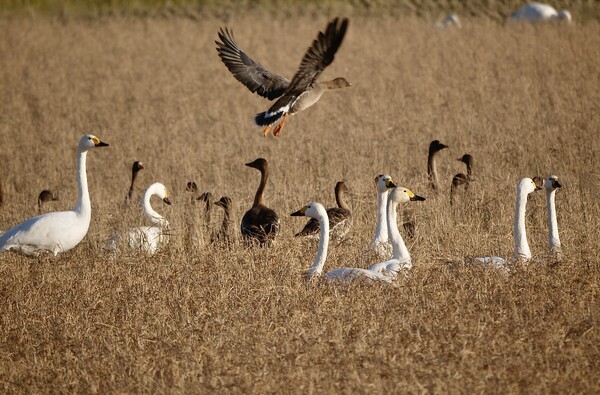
(147, 239)
(551, 185)
(540, 12)
(343, 275)
(380, 243)
(522, 251)
(58, 231)
(400, 256)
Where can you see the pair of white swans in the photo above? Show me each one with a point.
(522, 252)
(384, 271)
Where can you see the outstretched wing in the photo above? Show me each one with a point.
(319, 55)
(247, 71)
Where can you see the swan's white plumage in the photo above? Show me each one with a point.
(448, 22)
(58, 231)
(147, 239)
(380, 242)
(540, 12)
(550, 185)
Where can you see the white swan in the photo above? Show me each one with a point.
(58, 231)
(380, 243)
(539, 12)
(449, 21)
(551, 185)
(147, 239)
(345, 274)
(400, 257)
(522, 251)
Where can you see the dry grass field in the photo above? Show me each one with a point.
(197, 318)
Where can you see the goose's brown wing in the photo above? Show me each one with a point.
(247, 71)
(319, 55)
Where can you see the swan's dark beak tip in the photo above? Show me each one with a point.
(167, 201)
(102, 144)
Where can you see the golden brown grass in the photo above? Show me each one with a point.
(523, 100)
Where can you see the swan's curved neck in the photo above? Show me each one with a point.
(83, 207)
(317, 266)
(399, 252)
(553, 239)
(432, 170)
(381, 232)
(154, 217)
(521, 246)
(264, 176)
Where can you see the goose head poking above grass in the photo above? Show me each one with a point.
(46, 196)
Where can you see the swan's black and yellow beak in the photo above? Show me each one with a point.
(167, 201)
(414, 198)
(98, 142)
(556, 184)
(390, 184)
(299, 213)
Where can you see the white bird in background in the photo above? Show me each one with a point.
(58, 231)
(400, 257)
(551, 185)
(522, 251)
(380, 243)
(448, 22)
(147, 239)
(345, 274)
(540, 12)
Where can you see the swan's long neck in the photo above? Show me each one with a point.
(553, 239)
(432, 170)
(154, 217)
(399, 250)
(83, 207)
(381, 232)
(264, 176)
(317, 266)
(521, 246)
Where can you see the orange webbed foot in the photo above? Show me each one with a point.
(267, 130)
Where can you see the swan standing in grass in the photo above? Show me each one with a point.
(551, 185)
(58, 231)
(135, 169)
(380, 243)
(540, 12)
(400, 257)
(260, 223)
(522, 251)
(296, 95)
(343, 275)
(340, 217)
(147, 239)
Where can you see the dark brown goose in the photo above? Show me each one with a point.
(46, 196)
(340, 218)
(434, 147)
(296, 95)
(260, 224)
(462, 179)
(222, 234)
(135, 168)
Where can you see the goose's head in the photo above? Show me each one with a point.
(46, 196)
(552, 183)
(528, 185)
(224, 202)
(259, 164)
(564, 16)
(436, 146)
(340, 187)
(404, 195)
(384, 183)
(466, 159)
(137, 166)
(312, 210)
(90, 141)
(159, 190)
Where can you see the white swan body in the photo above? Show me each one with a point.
(521, 251)
(400, 256)
(540, 12)
(551, 185)
(147, 239)
(380, 243)
(449, 21)
(342, 275)
(58, 231)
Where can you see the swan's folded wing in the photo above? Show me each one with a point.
(250, 73)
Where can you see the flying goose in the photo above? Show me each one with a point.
(260, 223)
(296, 95)
(340, 217)
(56, 232)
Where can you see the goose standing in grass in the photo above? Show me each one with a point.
(340, 217)
(46, 196)
(296, 95)
(343, 275)
(434, 147)
(260, 223)
(461, 179)
(58, 231)
(222, 235)
(522, 251)
(135, 169)
(540, 12)
(147, 239)
(400, 256)
(380, 243)
(551, 185)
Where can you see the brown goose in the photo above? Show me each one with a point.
(260, 223)
(296, 95)
(462, 179)
(223, 233)
(434, 147)
(46, 196)
(340, 217)
(135, 168)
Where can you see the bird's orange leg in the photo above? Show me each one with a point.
(267, 130)
(279, 127)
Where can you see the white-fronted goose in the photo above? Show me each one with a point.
(434, 147)
(135, 169)
(296, 95)
(46, 196)
(222, 234)
(461, 179)
(260, 223)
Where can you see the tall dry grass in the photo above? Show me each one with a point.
(523, 100)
